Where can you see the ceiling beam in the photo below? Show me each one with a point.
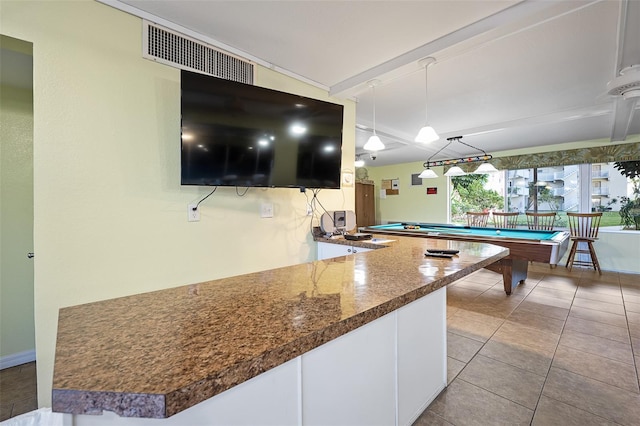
(347, 88)
(628, 35)
(628, 54)
(623, 115)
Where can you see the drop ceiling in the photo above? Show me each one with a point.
(508, 74)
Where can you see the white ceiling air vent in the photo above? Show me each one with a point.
(627, 84)
(174, 49)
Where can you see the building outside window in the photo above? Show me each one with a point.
(562, 189)
(544, 189)
(607, 187)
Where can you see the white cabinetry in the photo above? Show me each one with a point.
(383, 373)
(329, 250)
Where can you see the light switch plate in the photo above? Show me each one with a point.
(266, 210)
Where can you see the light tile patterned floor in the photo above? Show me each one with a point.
(563, 349)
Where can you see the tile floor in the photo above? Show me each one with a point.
(563, 349)
(18, 390)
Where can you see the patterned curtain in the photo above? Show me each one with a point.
(598, 154)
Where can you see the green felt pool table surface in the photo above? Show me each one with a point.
(432, 228)
(524, 245)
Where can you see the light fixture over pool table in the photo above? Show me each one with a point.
(455, 170)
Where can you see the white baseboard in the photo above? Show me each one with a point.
(17, 359)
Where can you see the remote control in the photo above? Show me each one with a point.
(443, 251)
(448, 256)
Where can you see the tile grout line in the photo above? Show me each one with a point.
(533, 410)
(546, 376)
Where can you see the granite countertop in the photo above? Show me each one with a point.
(156, 354)
(376, 242)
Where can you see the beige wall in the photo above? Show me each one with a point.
(412, 204)
(17, 340)
(110, 214)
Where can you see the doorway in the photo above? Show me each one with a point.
(365, 204)
(17, 325)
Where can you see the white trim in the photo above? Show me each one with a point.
(17, 359)
(584, 180)
(618, 229)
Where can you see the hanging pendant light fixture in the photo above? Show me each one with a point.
(374, 143)
(427, 134)
(427, 174)
(359, 161)
(485, 168)
(455, 170)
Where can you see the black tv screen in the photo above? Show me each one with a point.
(235, 134)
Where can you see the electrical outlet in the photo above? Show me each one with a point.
(266, 210)
(193, 213)
(309, 210)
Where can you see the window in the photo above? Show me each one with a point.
(571, 188)
(547, 189)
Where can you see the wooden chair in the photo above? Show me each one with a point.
(477, 219)
(505, 219)
(541, 221)
(583, 228)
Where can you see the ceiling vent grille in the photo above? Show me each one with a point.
(172, 48)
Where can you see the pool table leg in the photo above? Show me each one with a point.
(514, 271)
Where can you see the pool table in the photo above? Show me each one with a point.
(524, 245)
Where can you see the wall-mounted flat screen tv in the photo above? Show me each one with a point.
(235, 134)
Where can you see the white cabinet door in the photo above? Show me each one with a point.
(422, 354)
(351, 380)
(328, 250)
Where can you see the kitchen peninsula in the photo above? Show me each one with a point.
(342, 340)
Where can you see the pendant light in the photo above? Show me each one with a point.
(374, 143)
(455, 171)
(427, 134)
(485, 168)
(359, 161)
(427, 174)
